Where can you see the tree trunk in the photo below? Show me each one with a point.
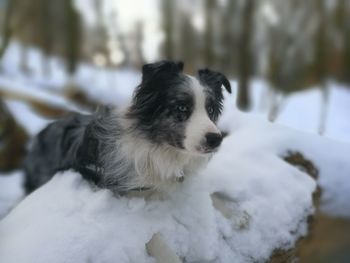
(7, 31)
(139, 58)
(228, 40)
(72, 36)
(320, 63)
(47, 31)
(23, 62)
(245, 67)
(188, 50)
(168, 27)
(324, 109)
(209, 36)
(276, 103)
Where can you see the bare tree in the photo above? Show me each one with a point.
(138, 40)
(6, 30)
(342, 13)
(228, 38)
(209, 56)
(168, 7)
(72, 36)
(321, 62)
(47, 34)
(245, 65)
(188, 48)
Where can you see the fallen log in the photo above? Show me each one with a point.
(43, 108)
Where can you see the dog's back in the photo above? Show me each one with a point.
(54, 149)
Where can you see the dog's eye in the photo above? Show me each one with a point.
(182, 108)
(210, 110)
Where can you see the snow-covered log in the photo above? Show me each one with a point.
(246, 205)
(251, 204)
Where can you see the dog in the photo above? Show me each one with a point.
(167, 133)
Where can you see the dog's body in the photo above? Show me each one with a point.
(167, 133)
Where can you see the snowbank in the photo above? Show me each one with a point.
(330, 156)
(268, 202)
(266, 205)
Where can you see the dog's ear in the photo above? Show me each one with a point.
(214, 79)
(164, 66)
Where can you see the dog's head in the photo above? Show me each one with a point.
(170, 107)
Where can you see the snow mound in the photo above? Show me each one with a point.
(265, 203)
(331, 157)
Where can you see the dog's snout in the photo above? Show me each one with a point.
(213, 139)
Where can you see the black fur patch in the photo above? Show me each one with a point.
(54, 149)
(213, 81)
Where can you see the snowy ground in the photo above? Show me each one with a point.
(11, 191)
(75, 224)
(269, 202)
(270, 199)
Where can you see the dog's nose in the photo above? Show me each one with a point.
(213, 139)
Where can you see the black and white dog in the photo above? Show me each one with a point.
(167, 132)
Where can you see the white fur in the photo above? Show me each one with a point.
(159, 166)
(199, 123)
(144, 164)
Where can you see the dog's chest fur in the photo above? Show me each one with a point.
(124, 160)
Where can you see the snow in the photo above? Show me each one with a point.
(67, 221)
(102, 85)
(11, 61)
(329, 156)
(309, 100)
(268, 201)
(26, 117)
(301, 110)
(107, 86)
(11, 191)
(36, 93)
(338, 123)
